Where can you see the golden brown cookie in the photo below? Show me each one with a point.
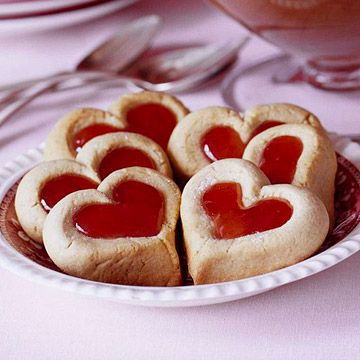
(74, 129)
(237, 225)
(217, 133)
(152, 114)
(262, 117)
(188, 149)
(299, 155)
(107, 153)
(122, 233)
(43, 186)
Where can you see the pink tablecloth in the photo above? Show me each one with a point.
(316, 318)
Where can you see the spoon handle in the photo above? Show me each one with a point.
(19, 103)
(32, 88)
(40, 88)
(19, 98)
(115, 54)
(8, 90)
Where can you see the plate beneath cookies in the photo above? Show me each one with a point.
(20, 254)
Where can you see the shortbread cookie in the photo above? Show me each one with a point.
(298, 155)
(217, 133)
(262, 117)
(107, 153)
(43, 186)
(153, 114)
(122, 233)
(77, 127)
(204, 136)
(237, 225)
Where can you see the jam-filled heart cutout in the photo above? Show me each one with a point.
(223, 203)
(76, 128)
(205, 136)
(296, 154)
(111, 152)
(267, 124)
(44, 186)
(138, 212)
(236, 224)
(280, 157)
(154, 121)
(222, 142)
(58, 187)
(86, 134)
(151, 114)
(123, 232)
(122, 158)
(217, 133)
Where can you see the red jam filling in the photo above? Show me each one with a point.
(152, 120)
(279, 159)
(122, 158)
(139, 211)
(57, 188)
(89, 132)
(223, 204)
(264, 126)
(222, 142)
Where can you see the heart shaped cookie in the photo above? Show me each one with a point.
(123, 232)
(152, 114)
(237, 225)
(77, 127)
(107, 153)
(298, 155)
(43, 186)
(204, 136)
(102, 155)
(217, 133)
(262, 117)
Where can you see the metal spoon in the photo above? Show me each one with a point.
(175, 70)
(183, 69)
(111, 56)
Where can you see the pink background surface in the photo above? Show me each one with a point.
(316, 318)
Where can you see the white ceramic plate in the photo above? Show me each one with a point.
(60, 20)
(189, 295)
(24, 8)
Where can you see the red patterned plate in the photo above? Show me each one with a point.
(26, 257)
